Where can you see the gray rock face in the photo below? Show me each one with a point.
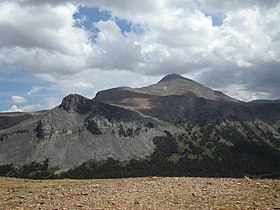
(76, 103)
(78, 130)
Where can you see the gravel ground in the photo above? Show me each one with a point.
(140, 193)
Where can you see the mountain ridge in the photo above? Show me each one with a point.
(172, 84)
(168, 128)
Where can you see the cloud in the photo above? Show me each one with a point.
(228, 6)
(30, 107)
(18, 100)
(50, 37)
(46, 31)
(27, 108)
(34, 90)
(241, 56)
(52, 102)
(14, 108)
(115, 51)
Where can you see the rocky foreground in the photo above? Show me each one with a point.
(140, 193)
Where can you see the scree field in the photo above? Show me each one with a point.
(140, 193)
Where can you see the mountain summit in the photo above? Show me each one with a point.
(172, 84)
(172, 77)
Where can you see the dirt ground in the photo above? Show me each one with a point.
(140, 193)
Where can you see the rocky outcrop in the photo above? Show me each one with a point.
(76, 103)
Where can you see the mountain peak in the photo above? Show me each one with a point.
(171, 77)
(76, 103)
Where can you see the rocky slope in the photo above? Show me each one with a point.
(78, 130)
(174, 127)
(173, 84)
(11, 119)
(140, 193)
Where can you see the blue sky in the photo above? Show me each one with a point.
(94, 15)
(20, 83)
(89, 17)
(50, 49)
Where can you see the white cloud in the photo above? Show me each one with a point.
(27, 108)
(52, 29)
(45, 33)
(178, 37)
(18, 100)
(30, 107)
(14, 108)
(113, 50)
(228, 6)
(52, 102)
(34, 90)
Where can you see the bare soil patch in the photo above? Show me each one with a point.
(140, 193)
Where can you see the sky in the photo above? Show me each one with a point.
(50, 48)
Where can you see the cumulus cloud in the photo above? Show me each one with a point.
(240, 57)
(18, 100)
(41, 27)
(27, 108)
(228, 6)
(14, 108)
(42, 38)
